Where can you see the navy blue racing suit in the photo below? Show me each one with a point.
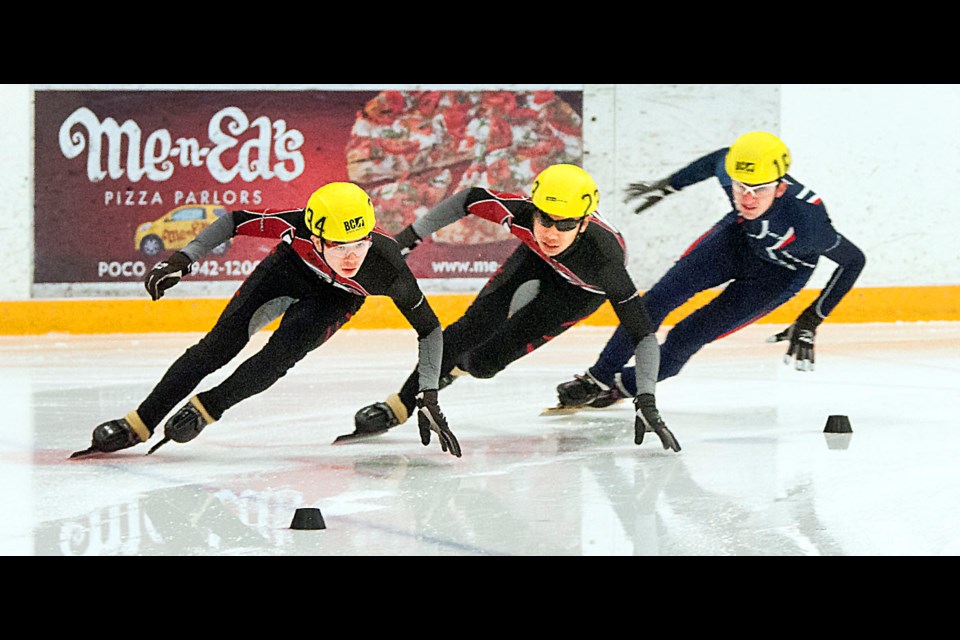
(765, 262)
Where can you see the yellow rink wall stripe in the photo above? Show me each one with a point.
(125, 315)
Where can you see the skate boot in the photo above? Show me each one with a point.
(186, 424)
(376, 418)
(607, 398)
(611, 396)
(116, 435)
(580, 391)
(447, 380)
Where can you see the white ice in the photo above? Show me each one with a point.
(757, 474)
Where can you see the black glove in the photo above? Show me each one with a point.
(430, 418)
(651, 192)
(166, 274)
(648, 416)
(801, 335)
(408, 240)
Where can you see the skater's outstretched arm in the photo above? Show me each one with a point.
(801, 335)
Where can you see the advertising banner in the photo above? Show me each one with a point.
(123, 178)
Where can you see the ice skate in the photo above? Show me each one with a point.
(575, 395)
(611, 396)
(186, 424)
(447, 380)
(116, 435)
(376, 419)
(607, 399)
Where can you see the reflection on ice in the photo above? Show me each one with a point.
(757, 474)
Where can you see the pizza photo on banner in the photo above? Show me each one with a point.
(124, 178)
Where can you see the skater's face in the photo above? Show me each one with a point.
(345, 258)
(555, 234)
(752, 201)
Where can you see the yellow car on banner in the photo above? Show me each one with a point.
(176, 228)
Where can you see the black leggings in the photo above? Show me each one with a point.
(488, 337)
(316, 312)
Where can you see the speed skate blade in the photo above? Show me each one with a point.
(356, 436)
(85, 452)
(158, 445)
(561, 410)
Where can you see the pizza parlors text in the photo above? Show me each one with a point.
(139, 198)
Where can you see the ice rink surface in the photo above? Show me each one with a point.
(757, 474)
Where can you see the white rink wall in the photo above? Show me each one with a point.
(882, 157)
(16, 184)
(646, 132)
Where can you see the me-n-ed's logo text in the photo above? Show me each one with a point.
(746, 167)
(273, 152)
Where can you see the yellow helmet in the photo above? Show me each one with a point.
(565, 190)
(340, 212)
(757, 157)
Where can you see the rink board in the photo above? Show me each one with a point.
(125, 315)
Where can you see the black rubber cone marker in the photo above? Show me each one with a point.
(308, 518)
(838, 424)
